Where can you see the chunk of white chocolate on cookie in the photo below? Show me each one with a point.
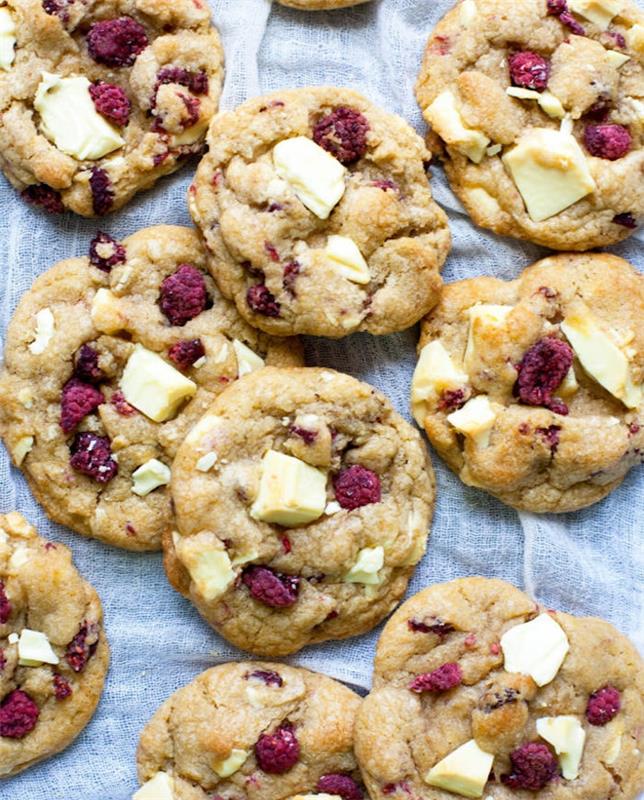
(291, 492)
(247, 359)
(34, 649)
(599, 12)
(346, 259)
(45, 327)
(105, 312)
(7, 38)
(485, 319)
(464, 771)
(476, 419)
(229, 766)
(367, 567)
(446, 120)
(159, 787)
(209, 565)
(150, 476)
(547, 100)
(536, 648)
(566, 734)
(435, 373)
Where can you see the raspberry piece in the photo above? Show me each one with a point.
(5, 605)
(271, 250)
(192, 105)
(529, 70)
(86, 365)
(92, 456)
(437, 626)
(116, 42)
(533, 766)
(291, 271)
(186, 352)
(277, 752)
(567, 19)
(183, 295)
(62, 687)
(262, 301)
(557, 7)
(196, 82)
(551, 436)
(356, 486)
(77, 401)
(269, 677)
(607, 141)
(385, 185)
(121, 405)
(446, 677)
(600, 108)
(627, 220)
(3, 660)
(111, 102)
(102, 192)
(342, 785)
(18, 715)
(82, 647)
(272, 588)
(308, 437)
(603, 705)
(541, 370)
(105, 252)
(39, 194)
(452, 399)
(343, 133)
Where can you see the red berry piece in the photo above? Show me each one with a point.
(261, 301)
(39, 194)
(271, 588)
(102, 192)
(385, 186)
(342, 785)
(62, 687)
(557, 7)
(111, 102)
(627, 220)
(197, 82)
(551, 436)
(57, 8)
(291, 271)
(121, 405)
(183, 295)
(446, 677)
(116, 42)
(5, 605)
(105, 252)
(86, 365)
(533, 766)
(278, 752)
(607, 141)
(356, 486)
(92, 456)
(343, 133)
(567, 19)
(603, 705)
(308, 437)
(434, 625)
(82, 647)
(3, 660)
(269, 677)
(18, 715)
(77, 401)
(451, 399)
(541, 371)
(529, 70)
(192, 105)
(186, 352)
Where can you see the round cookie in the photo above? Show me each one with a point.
(99, 101)
(532, 389)
(475, 687)
(137, 324)
(317, 214)
(253, 730)
(303, 503)
(53, 652)
(536, 110)
(320, 5)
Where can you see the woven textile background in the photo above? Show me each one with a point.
(591, 562)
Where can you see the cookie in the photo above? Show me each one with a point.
(480, 692)
(253, 730)
(53, 652)
(318, 218)
(99, 101)
(303, 503)
(109, 360)
(537, 111)
(532, 389)
(320, 5)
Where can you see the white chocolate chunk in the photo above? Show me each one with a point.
(160, 787)
(536, 648)
(316, 797)
(247, 359)
(19, 558)
(476, 419)
(153, 386)
(635, 38)
(446, 120)
(332, 507)
(484, 317)
(69, 119)
(615, 731)
(599, 12)
(291, 492)
(313, 174)
(208, 564)
(368, 564)
(192, 134)
(34, 649)
(547, 100)
(347, 260)
(467, 13)
(567, 736)
(464, 771)
(150, 476)
(600, 356)
(22, 448)
(568, 385)
(44, 331)
(550, 171)
(7, 38)
(434, 373)
(494, 150)
(13, 638)
(616, 59)
(229, 766)
(105, 312)
(206, 462)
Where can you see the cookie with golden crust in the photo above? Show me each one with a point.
(255, 730)
(320, 5)
(303, 503)
(318, 218)
(109, 359)
(532, 389)
(99, 101)
(53, 651)
(536, 108)
(480, 692)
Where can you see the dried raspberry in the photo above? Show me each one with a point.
(272, 251)
(567, 19)
(308, 437)
(342, 785)
(197, 82)
(385, 185)
(116, 42)
(452, 399)
(557, 7)
(603, 705)
(86, 365)
(529, 70)
(607, 141)
(356, 486)
(446, 677)
(111, 102)
(600, 108)
(533, 766)
(633, 428)
(186, 352)
(343, 133)
(541, 370)
(262, 301)
(192, 105)
(5, 605)
(54, 7)
(286, 545)
(275, 207)
(121, 405)
(92, 455)
(62, 687)
(3, 660)
(277, 752)
(183, 295)
(105, 252)
(551, 436)
(291, 271)
(39, 194)
(269, 677)
(272, 588)
(82, 647)
(18, 715)
(102, 192)
(627, 220)
(437, 626)
(77, 401)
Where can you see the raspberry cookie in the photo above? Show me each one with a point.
(303, 502)
(320, 5)
(537, 110)
(109, 360)
(97, 101)
(252, 730)
(480, 692)
(317, 215)
(532, 389)
(53, 652)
